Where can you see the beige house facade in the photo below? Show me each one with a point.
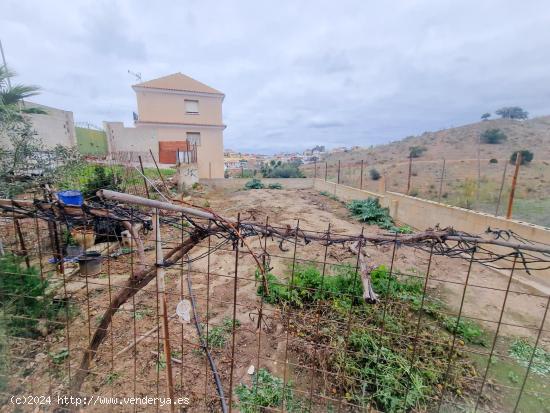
(172, 111)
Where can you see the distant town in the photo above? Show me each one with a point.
(237, 161)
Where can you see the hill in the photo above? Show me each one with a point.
(467, 181)
(462, 143)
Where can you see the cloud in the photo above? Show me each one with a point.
(295, 74)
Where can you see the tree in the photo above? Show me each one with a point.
(23, 157)
(485, 116)
(526, 157)
(416, 151)
(512, 112)
(493, 136)
(12, 96)
(374, 174)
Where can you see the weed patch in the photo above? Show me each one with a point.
(522, 352)
(397, 371)
(218, 335)
(371, 212)
(267, 391)
(254, 184)
(23, 294)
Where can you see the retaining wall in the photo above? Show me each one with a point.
(422, 214)
(238, 183)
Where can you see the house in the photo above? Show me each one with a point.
(175, 114)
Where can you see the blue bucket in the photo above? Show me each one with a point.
(71, 197)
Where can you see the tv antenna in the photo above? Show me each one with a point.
(136, 75)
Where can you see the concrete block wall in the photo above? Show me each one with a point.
(422, 214)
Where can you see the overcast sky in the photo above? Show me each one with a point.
(295, 73)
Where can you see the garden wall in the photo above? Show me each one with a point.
(422, 214)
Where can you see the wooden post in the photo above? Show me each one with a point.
(513, 189)
(144, 180)
(164, 306)
(338, 178)
(326, 171)
(315, 166)
(158, 170)
(478, 167)
(410, 172)
(501, 188)
(22, 243)
(209, 170)
(441, 182)
(361, 177)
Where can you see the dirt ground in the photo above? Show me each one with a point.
(140, 373)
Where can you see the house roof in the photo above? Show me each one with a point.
(179, 82)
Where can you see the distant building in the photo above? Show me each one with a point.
(172, 111)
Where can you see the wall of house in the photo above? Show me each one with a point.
(209, 152)
(167, 107)
(56, 127)
(138, 141)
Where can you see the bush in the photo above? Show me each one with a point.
(493, 136)
(267, 391)
(370, 211)
(24, 297)
(282, 170)
(275, 185)
(493, 160)
(416, 151)
(254, 184)
(526, 157)
(374, 174)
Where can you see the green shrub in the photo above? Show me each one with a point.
(417, 151)
(24, 298)
(275, 185)
(218, 335)
(493, 136)
(468, 330)
(371, 212)
(374, 174)
(254, 184)
(267, 391)
(493, 160)
(282, 170)
(526, 157)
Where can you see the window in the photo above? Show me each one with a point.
(191, 106)
(194, 138)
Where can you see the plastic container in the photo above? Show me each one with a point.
(74, 251)
(89, 263)
(71, 197)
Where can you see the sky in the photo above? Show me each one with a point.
(295, 73)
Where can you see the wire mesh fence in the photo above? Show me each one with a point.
(479, 184)
(278, 319)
